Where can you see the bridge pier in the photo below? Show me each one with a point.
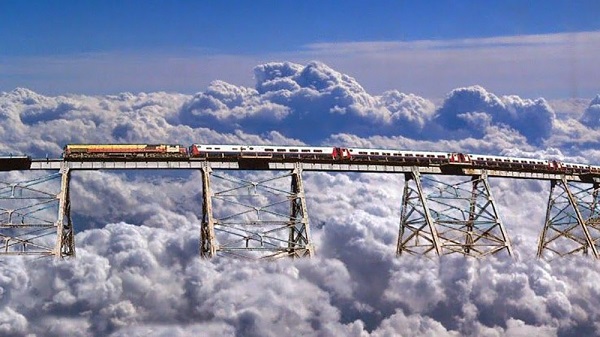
(65, 234)
(572, 222)
(208, 243)
(254, 219)
(457, 218)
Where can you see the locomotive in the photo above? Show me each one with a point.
(124, 151)
(319, 154)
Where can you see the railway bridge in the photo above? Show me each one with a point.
(446, 209)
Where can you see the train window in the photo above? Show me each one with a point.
(235, 149)
(479, 158)
(217, 148)
(209, 148)
(441, 156)
(269, 150)
(524, 161)
(408, 155)
(305, 150)
(280, 150)
(375, 153)
(419, 155)
(293, 150)
(362, 152)
(320, 151)
(251, 148)
(385, 154)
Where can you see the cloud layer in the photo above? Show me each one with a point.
(138, 271)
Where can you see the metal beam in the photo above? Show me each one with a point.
(208, 243)
(375, 167)
(300, 244)
(65, 236)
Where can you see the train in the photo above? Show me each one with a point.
(74, 152)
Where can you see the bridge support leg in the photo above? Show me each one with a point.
(65, 234)
(299, 242)
(572, 222)
(418, 234)
(208, 244)
(267, 218)
(459, 218)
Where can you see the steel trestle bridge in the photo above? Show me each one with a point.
(446, 209)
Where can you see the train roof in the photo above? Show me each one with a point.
(355, 149)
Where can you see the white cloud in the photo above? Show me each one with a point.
(466, 108)
(591, 115)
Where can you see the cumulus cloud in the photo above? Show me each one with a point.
(468, 110)
(138, 271)
(294, 99)
(591, 115)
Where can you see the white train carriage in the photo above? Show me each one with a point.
(510, 162)
(266, 151)
(576, 168)
(398, 156)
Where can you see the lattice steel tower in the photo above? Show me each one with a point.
(260, 218)
(572, 222)
(450, 218)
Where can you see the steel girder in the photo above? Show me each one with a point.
(254, 219)
(208, 244)
(35, 219)
(454, 218)
(65, 234)
(572, 222)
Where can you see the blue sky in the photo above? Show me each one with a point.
(63, 46)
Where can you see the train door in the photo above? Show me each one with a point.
(341, 153)
(457, 157)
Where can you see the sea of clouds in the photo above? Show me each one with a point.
(138, 271)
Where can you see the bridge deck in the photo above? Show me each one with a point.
(378, 167)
